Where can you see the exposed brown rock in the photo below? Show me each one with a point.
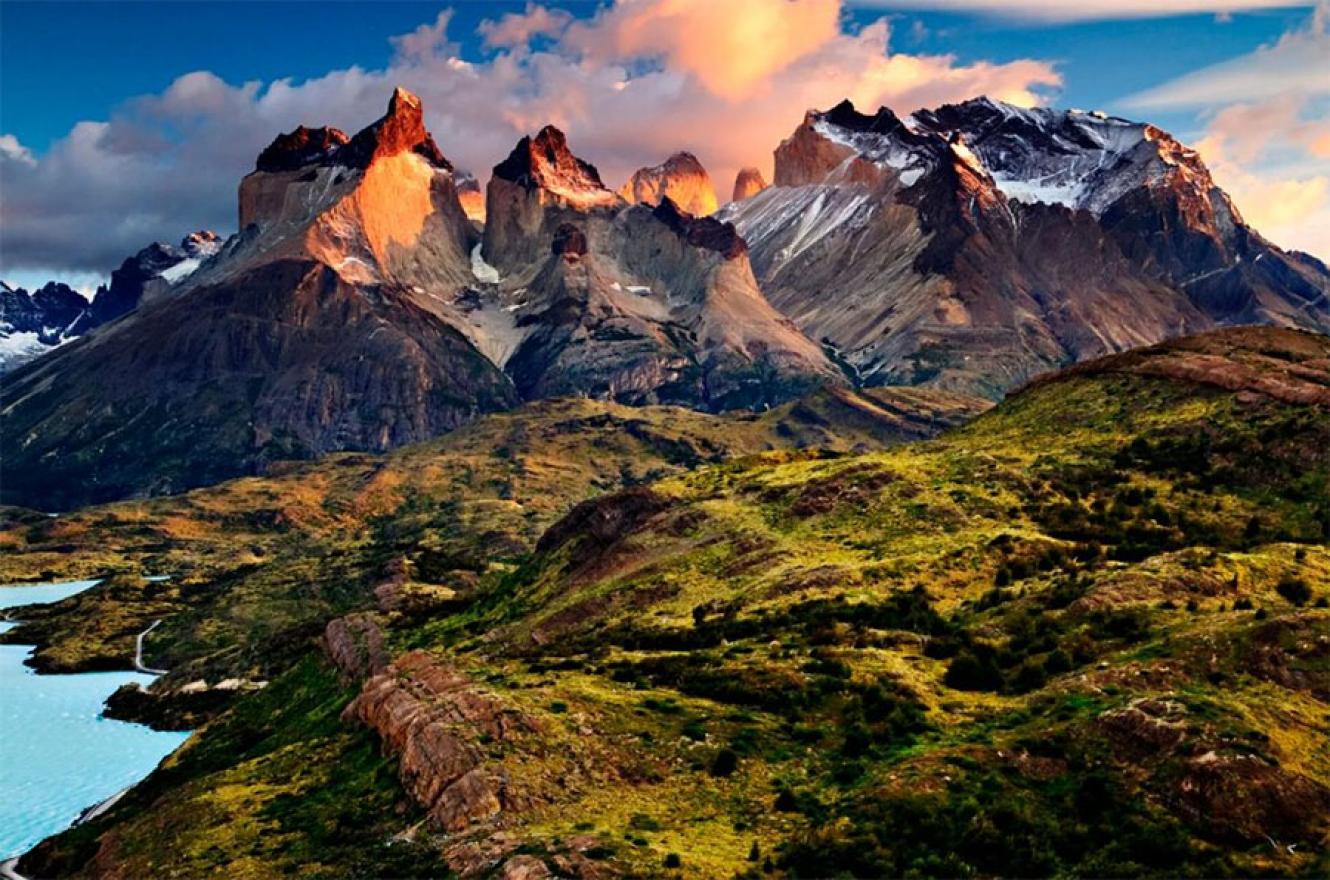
(602, 521)
(748, 183)
(1243, 798)
(355, 645)
(569, 242)
(1146, 728)
(434, 719)
(681, 178)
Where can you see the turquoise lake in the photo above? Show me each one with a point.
(58, 755)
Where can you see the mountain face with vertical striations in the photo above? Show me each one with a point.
(323, 325)
(978, 244)
(681, 178)
(634, 303)
(358, 308)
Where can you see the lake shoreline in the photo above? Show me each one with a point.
(54, 731)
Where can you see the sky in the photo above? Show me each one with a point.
(124, 123)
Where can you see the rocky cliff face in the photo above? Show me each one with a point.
(681, 178)
(326, 324)
(379, 207)
(978, 244)
(434, 719)
(632, 303)
(748, 183)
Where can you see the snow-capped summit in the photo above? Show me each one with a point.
(978, 243)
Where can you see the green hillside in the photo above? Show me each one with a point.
(1085, 634)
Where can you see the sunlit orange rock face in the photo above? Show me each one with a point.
(748, 183)
(380, 206)
(681, 177)
(471, 196)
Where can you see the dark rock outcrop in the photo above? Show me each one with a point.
(301, 147)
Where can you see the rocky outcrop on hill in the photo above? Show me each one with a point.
(681, 178)
(436, 722)
(355, 645)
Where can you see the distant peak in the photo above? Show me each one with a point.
(545, 162)
(748, 183)
(682, 177)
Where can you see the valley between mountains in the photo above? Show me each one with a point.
(957, 504)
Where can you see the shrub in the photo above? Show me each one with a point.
(673, 861)
(973, 672)
(725, 763)
(1294, 590)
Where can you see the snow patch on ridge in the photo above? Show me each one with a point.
(484, 272)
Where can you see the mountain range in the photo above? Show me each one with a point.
(369, 301)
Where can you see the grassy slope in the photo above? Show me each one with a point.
(258, 562)
(924, 660)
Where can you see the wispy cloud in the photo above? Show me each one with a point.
(1298, 63)
(1086, 10)
(1266, 121)
(632, 84)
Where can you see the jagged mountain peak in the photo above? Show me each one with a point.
(681, 177)
(300, 147)
(401, 129)
(546, 162)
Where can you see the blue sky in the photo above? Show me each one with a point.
(162, 83)
(108, 52)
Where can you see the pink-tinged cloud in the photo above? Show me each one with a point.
(168, 163)
(516, 29)
(1266, 117)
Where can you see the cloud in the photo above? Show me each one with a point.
(517, 29)
(1271, 158)
(13, 151)
(1085, 10)
(630, 85)
(1266, 131)
(1298, 63)
(733, 49)
(428, 39)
